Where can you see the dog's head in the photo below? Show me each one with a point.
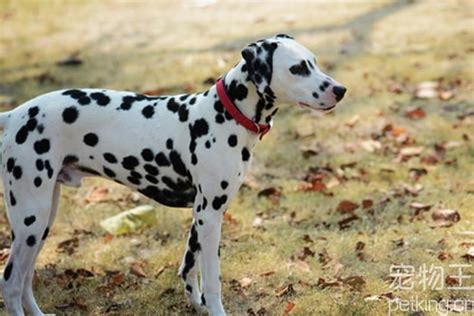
(283, 69)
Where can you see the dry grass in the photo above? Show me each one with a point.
(370, 47)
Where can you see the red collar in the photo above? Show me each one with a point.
(241, 119)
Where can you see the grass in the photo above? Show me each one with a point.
(370, 47)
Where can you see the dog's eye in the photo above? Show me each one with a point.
(300, 69)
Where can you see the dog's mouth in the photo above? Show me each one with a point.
(324, 109)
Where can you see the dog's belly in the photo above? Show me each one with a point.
(161, 184)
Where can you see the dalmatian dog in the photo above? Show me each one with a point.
(188, 150)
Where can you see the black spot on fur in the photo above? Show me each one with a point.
(91, 139)
(31, 124)
(219, 201)
(100, 98)
(200, 222)
(69, 159)
(109, 173)
(151, 179)
(33, 111)
(151, 169)
(237, 91)
(45, 234)
(17, 172)
(70, 114)
(203, 300)
(283, 36)
(12, 199)
(161, 160)
(134, 180)
(147, 154)
(232, 140)
(29, 220)
(40, 165)
(75, 94)
(42, 146)
(21, 135)
(84, 100)
(188, 264)
(224, 185)
(245, 154)
(177, 163)
(48, 168)
(169, 143)
(130, 162)
(193, 240)
(8, 271)
(148, 111)
(204, 203)
(110, 158)
(31, 240)
(10, 164)
(189, 288)
(37, 182)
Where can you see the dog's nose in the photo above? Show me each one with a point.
(339, 92)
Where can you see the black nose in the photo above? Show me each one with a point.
(339, 91)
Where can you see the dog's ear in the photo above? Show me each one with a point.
(259, 61)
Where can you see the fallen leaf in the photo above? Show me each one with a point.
(419, 207)
(356, 281)
(443, 255)
(386, 295)
(250, 182)
(444, 218)
(307, 238)
(257, 222)
(446, 95)
(269, 192)
(427, 90)
(229, 219)
(346, 207)
(415, 114)
(137, 270)
(446, 215)
(268, 273)
(347, 222)
(416, 173)
(469, 256)
(371, 145)
(289, 307)
(245, 282)
(411, 151)
(97, 194)
(353, 121)
(367, 203)
(284, 291)
(429, 159)
(304, 253)
(360, 246)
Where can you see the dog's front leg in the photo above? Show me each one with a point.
(208, 221)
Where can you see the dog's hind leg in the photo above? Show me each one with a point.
(29, 210)
(189, 269)
(28, 298)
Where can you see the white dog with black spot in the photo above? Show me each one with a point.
(182, 151)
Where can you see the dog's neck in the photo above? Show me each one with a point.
(259, 107)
